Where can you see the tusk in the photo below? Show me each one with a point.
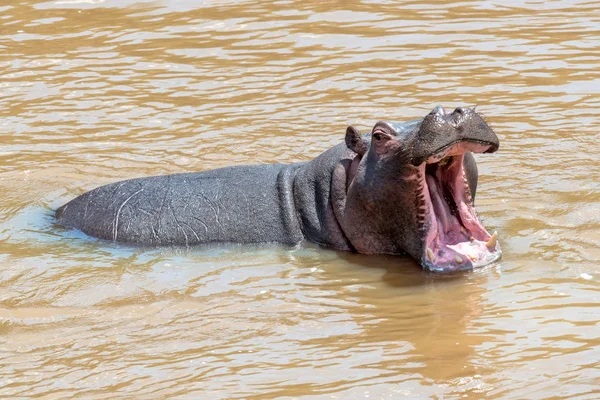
(458, 259)
(430, 255)
(491, 244)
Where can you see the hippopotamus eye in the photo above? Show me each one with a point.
(377, 136)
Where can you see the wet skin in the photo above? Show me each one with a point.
(403, 188)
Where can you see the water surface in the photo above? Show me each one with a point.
(97, 91)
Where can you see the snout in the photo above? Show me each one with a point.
(441, 130)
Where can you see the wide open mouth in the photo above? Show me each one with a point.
(455, 238)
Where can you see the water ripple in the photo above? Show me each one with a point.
(93, 91)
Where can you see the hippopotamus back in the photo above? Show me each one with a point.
(245, 204)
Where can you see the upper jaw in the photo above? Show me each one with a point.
(459, 147)
(439, 133)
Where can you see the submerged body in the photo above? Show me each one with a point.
(402, 189)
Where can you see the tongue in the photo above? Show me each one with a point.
(449, 227)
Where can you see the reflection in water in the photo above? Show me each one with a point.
(97, 91)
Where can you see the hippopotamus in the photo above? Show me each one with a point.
(402, 189)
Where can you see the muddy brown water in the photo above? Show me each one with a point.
(97, 91)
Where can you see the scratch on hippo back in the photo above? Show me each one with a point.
(187, 245)
(116, 220)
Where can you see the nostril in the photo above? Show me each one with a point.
(439, 110)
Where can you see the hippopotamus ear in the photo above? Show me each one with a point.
(355, 141)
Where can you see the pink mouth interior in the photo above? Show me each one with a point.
(455, 238)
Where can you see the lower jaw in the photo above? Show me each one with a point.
(462, 261)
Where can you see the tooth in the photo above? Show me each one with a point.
(458, 259)
(491, 244)
(430, 255)
(471, 238)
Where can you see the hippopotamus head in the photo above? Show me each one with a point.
(411, 190)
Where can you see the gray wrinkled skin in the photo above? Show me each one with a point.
(247, 204)
(345, 199)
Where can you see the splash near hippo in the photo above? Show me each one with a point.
(403, 188)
